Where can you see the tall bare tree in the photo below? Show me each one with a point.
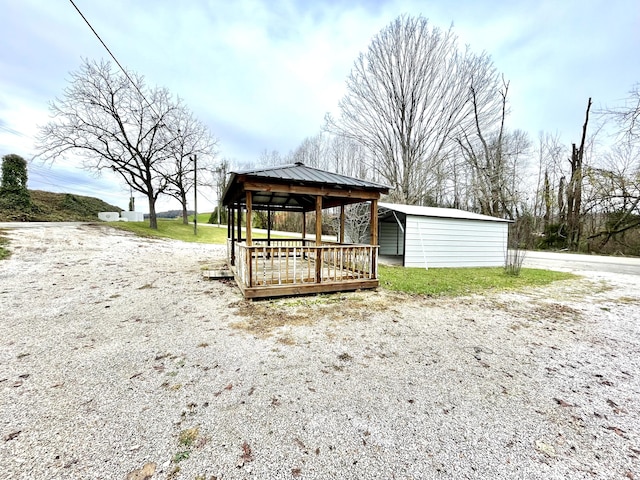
(405, 97)
(113, 122)
(574, 188)
(190, 145)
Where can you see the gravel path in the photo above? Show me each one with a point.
(118, 361)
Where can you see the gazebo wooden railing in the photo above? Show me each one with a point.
(292, 266)
(285, 268)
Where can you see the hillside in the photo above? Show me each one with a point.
(58, 207)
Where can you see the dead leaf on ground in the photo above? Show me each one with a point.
(228, 387)
(144, 473)
(615, 407)
(12, 435)
(246, 456)
(617, 431)
(562, 403)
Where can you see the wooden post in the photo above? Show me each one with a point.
(304, 227)
(269, 225)
(231, 221)
(239, 221)
(248, 221)
(341, 235)
(374, 222)
(318, 220)
(374, 238)
(318, 238)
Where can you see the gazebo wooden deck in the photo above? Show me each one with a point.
(296, 266)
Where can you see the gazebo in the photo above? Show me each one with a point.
(272, 267)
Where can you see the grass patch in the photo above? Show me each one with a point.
(463, 281)
(188, 437)
(175, 230)
(4, 242)
(202, 218)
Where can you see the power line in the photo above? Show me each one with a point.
(114, 58)
(14, 132)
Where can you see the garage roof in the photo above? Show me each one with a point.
(419, 211)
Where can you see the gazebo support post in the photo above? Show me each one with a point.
(239, 208)
(269, 225)
(231, 221)
(304, 227)
(248, 220)
(341, 234)
(374, 237)
(318, 238)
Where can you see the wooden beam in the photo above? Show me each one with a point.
(289, 290)
(269, 226)
(374, 237)
(232, 217)
(319, 239)
(248, 221)
(318, 220)
(306, 190)
(239, 222)
(341, 235)
(304, 226)
(374, 222)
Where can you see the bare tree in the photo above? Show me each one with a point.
(550, 151)
(405, 97)
(112, 124)
(613, 198)
(627, 117)
(494, 155)
(312, 152)
(574, 188)
(188, 138)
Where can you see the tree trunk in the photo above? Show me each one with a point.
(153, 220)
(185, 214)
(574, 190)
(547, 201)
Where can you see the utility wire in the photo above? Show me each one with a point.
(114, 58)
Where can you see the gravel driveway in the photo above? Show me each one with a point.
(117, 360)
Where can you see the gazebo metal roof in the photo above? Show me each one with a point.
(295, 188)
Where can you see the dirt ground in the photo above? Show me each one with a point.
(118, 360)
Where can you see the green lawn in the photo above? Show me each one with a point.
(202, 218)
(463, 281)
(176, 230)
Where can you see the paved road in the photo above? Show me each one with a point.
(575, 262)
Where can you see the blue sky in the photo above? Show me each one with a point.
(263, 73)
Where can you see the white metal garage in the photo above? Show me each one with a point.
(441, 237)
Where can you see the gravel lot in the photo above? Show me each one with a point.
(117, 360)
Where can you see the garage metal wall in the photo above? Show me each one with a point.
(453, 242)
(391, 239)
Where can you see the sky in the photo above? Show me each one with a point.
(262, 74)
